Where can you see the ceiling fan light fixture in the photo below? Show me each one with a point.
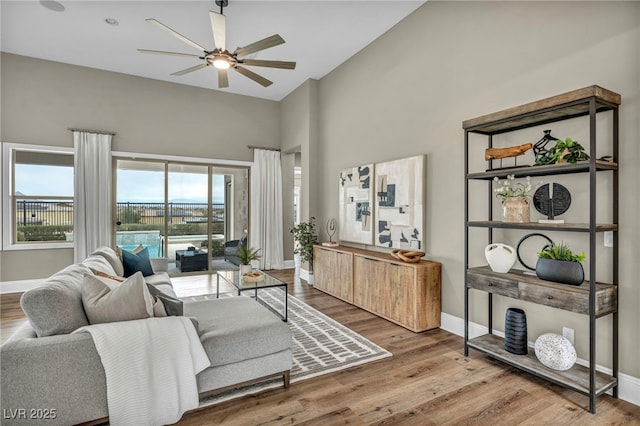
(221, 63)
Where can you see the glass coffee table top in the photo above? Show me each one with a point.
(236, 279)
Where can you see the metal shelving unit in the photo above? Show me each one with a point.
(592, 299)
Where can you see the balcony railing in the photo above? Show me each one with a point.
(52, 220)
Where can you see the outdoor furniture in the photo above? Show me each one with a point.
(231, 250)
(192, 260)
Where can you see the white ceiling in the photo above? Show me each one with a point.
(319, 35)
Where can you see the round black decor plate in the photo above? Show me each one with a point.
(561, 199)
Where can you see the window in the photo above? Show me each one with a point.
(39, 182)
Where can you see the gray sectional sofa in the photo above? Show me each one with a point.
(45, 367)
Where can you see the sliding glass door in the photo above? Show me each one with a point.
(140, 205)
(185, 212)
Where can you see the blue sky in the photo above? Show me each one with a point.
(133, 185)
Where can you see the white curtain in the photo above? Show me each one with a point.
(266, 208)
(92, 185)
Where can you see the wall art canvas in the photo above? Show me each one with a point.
(356, 204)
(399, 203)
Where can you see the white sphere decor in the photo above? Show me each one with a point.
(555, 351)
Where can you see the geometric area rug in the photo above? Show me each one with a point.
(320, 345)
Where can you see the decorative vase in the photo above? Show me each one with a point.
(245, 269)
(555, 351)
(515, 209)
(501, 257)
(515, 331)
(560, 271)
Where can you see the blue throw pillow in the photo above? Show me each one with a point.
(133, 263)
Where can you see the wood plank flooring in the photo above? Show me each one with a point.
(428, 381)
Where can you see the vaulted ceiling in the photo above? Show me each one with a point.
(319, 35)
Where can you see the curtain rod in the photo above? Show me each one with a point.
(262, 147)
(100, 132)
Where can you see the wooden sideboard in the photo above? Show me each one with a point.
(407, 294)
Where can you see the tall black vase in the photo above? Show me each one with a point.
(515, 331)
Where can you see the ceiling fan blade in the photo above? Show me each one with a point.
(175, 34)
(191, 69)
(271, 64)
(265, 43)
(219, 28)
(253, 76)
(223, 79)
(162, 52)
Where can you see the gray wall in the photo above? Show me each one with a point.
(41, 99)
(452, 61)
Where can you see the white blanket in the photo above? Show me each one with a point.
(151, 368)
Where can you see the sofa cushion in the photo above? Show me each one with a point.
(134, 262)
(129, 300)
(254, 332)
(112, 257)
(98, 263)
(55, 307)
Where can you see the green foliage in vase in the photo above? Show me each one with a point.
(561, 252)
(305, 235)
(567, 150)
(247, 255)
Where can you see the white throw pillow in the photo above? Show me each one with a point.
(127, 301)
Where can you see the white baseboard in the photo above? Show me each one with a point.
(19, 286)
(629, 386)
(289, 264)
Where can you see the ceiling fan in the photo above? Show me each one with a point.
(220, 58)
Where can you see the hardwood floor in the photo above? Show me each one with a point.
(428, 381)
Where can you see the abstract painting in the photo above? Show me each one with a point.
(356, 204)
(399, 203)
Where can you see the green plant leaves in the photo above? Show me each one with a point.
(568, 150)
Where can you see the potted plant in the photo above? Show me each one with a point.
(564, 151)
(246, 256)
(515, 198)
(305, 236)
(557, 263)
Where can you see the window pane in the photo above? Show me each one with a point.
(43, 197)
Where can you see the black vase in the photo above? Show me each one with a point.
(560, 271)
(515, 331)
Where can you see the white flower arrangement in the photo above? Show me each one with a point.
(509, 189)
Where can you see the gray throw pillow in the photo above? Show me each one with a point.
(172, 306)
(130, 300)
(56, 306)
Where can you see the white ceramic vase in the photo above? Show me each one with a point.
(501, 257)
(245, 269)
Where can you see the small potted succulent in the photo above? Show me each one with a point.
(557, 263)
(246, 256)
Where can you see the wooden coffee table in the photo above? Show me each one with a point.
(235, 279)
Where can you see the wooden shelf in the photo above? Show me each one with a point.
(546, 170)
(576, 378)
(571, 227)
(518, 285)
(591, 298)
(561, 107)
